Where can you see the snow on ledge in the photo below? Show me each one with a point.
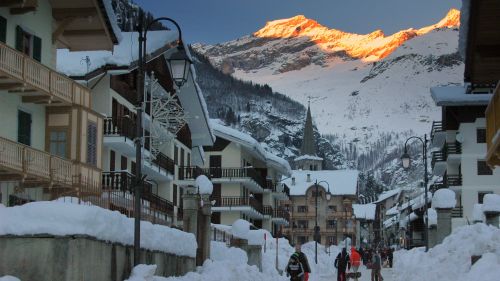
(433, 217)
(364, 211)
(477, 213)
(444, 199)
(58, 218)
(491, 203)
(457, 95)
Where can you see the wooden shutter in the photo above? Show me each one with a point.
(37, 48)
(19, 38)
(92, 144)
(174, 197)
(123, 164)
(112, 159)
(24, 127)
(3, 29)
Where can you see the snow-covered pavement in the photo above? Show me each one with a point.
(387, 274)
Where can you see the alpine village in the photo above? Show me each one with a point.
(297, 152)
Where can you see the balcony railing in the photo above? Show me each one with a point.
(35, 166)
(165, 162)
(33, 75)
(437, 126)
(123, 181)
(238, 201)
(493, 129)
(190, 173)
(457, 212)
(448, 149)
(453, 180)
(122, 127)
(267, 210)
(281, 213)
(270, 185)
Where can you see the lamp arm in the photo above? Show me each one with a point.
(167, 19)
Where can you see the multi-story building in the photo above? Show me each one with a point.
(462, 134)
(175, 122)
(321, 196)
(51, 138)
(246, 180)
(365, 218)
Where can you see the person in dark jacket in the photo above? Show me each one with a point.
(391, 256)
(294, 268)
(342, 264)
(303, 260)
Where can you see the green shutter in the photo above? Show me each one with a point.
(37, 48)
(3, 29)
(19, 38)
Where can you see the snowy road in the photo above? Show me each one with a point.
(387, 274)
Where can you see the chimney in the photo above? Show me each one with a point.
(293, 181)
(308, 177)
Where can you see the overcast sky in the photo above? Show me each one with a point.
(215, 21)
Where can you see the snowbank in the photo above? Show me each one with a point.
(491, 203)
(477, 213)
(9, 278)
(58, 218)
(451, 260)
(204, 185)
(444, 199)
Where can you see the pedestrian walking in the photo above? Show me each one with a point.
(294, 269)
(376, 266)
(342, 263)
(303, 260)
(355, 261)
(391, 256)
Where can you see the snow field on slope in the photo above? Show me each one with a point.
(451, 260)
(9, 278)
(63, 218)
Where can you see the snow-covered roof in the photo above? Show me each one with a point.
(342, 182)
(364, 211)
(390, 222)
(251, 145)
(124, 53)
(308, 157)
(491, 203)
(444, 199)
(457, 95)
(112, 20)
(388, 194)
(392, 211)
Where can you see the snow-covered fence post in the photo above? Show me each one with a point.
(433, 217)
(204, 188)
(443, 202)
(491, 209)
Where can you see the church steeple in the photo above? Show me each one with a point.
(308, 145)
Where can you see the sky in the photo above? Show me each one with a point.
(216, 21)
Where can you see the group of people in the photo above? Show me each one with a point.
(298, 268)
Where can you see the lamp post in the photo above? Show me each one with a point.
(179, 64)
(406, 161)
(316, 227)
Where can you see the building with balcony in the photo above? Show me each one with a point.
(246, 180)
(51, 138)
(462, 159)
(175, 122)
(321, 196)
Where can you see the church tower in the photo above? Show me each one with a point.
(308, 160)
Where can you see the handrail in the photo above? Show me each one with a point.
(34, 74)
(190, 173)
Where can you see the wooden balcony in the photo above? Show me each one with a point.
(493, 129)
(190, 173)
(37, 83)
(231, 201)
(33, 167)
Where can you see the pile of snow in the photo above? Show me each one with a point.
(240, 228)
(451, 260)
(491, 203)
(71, 200)
(9, 278)
(58, 218)
(478, 214)
(204, 185)
(433, 217)
(444, 199)
(219, 251)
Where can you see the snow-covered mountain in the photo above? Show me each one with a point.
(361, 87)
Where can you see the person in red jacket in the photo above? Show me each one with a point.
(355, 261)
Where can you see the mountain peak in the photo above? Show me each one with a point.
(290, 27)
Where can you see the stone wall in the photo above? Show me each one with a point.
(79, 258)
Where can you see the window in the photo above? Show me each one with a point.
(331, 224)
(132, 167)
(188, 162)
(480, 196)
(92, 143)
(182, 157)
(176, 156)
(3, 29)
(112, 159)
(58, 143)
(123, 163)
(302, 239)
(332, 208)
(28, 43)
(23, 127)
(481, 135)
(174, 196)
(483, 169)
(302, 224)
(302, 209)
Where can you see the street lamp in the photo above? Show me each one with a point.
(316, 227)
(406, 161)
(175, 69)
